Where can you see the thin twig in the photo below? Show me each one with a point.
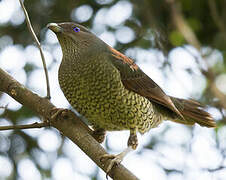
(26, 126)
(4, 107)
(39, 47)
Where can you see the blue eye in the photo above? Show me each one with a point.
(76, 29)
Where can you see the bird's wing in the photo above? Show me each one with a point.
(134, 79)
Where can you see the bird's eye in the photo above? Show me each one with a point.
(76, 29)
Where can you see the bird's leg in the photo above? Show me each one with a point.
(99, 134)
(132, 141)
(117, 159)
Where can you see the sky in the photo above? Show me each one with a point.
(179, 149)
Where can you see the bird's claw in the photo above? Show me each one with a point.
(114, 161)
(55, 112)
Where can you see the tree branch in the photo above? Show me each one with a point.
(26, 126)
(68, 124)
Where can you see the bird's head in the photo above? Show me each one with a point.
(75, 38)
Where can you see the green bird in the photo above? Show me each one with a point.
(112, 92)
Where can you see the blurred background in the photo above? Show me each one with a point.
(179, 44)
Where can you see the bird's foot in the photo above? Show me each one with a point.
(56, 112)
(115, 160)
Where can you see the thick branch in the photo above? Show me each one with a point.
(69, 125)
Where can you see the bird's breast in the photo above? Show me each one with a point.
(95, 90)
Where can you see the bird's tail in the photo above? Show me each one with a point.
(192, 112)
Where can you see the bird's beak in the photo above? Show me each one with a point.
(55, 27)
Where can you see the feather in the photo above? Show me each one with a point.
(134, 79)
